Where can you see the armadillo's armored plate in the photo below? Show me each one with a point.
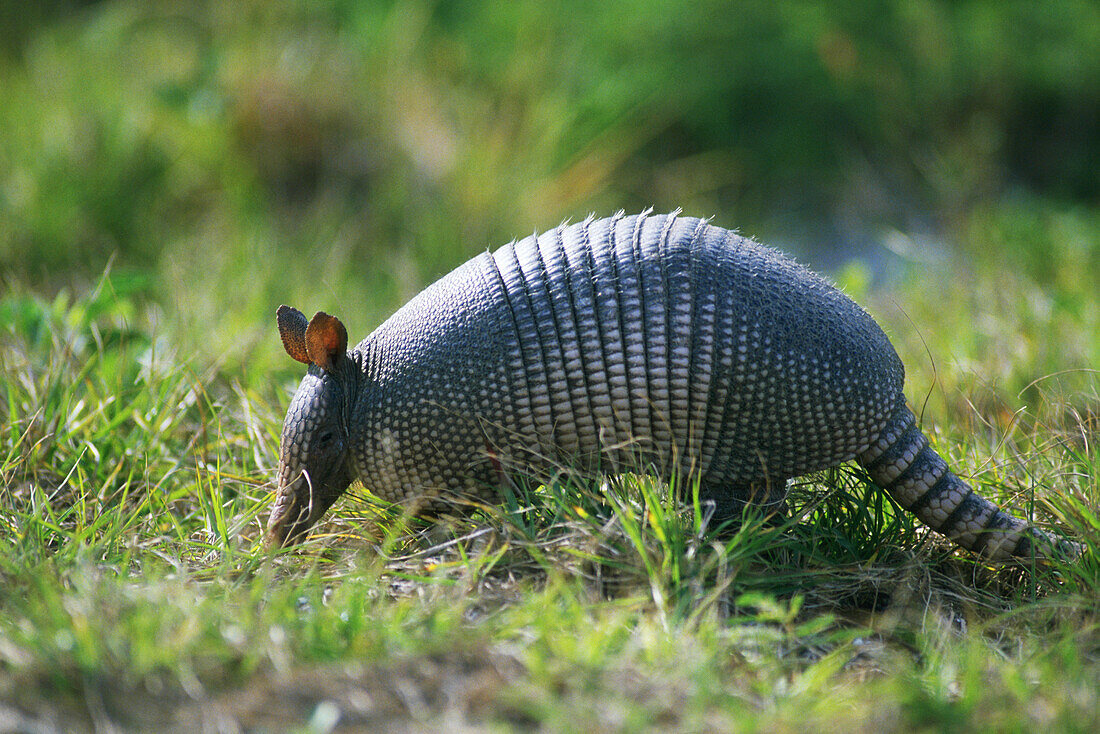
(647, 341)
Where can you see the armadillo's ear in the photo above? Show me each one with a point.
(326, 340)
(292, 330)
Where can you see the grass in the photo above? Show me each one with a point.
(136, 592)
(169, 175)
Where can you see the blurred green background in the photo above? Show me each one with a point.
(222, 158)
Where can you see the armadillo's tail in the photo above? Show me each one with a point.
(901, 462)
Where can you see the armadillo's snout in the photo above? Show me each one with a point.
(292, 514)
(304, 495)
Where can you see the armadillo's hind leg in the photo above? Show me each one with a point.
(725, 504)
(901, 462)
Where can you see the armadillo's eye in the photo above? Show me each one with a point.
(324, 439)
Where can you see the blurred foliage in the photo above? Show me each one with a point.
(343, 154)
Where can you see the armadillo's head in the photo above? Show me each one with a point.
(313, 450)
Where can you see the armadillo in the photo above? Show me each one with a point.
(654, 343)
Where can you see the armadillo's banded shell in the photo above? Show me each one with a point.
(620, 343)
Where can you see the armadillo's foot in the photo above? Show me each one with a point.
(726, 504)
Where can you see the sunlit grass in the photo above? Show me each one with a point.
(136, 589)
(168, 177)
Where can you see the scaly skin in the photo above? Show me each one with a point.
(653, 343)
